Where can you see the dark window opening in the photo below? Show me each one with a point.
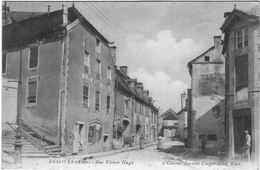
(212, 137)
(206, 58)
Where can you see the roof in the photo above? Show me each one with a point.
(170, 116)
(18, 16)
(254, 11)
(169, 111)
(184, 109)
(251, 15)
(40, 27)
(123, 85)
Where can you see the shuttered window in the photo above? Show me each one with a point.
(33, 63)
(97, 103)
(108, 104)
(32, 90)
(4, 63)
(86, 62)
(85, 95)
(241, 64)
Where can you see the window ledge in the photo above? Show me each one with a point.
(31, 104)
(32, 69)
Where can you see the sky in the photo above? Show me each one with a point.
(155, 40)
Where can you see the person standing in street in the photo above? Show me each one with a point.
(247, 145)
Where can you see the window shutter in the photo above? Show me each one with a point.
(34, 57)
(241, 64)
(3, 63)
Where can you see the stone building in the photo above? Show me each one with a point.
(242, 50)
(67, 89)
(207, 100)
(168, 123)
(134, 113)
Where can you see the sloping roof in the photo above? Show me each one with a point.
(18, 16)
(41, 27)
(254, 11)
(169, 111)
(251, 15)
(184, 109)
(122, 84)
(170, 116)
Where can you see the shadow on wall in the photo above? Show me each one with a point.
(210, 129)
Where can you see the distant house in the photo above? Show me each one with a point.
(134, 115)
(168, 123)
(182, 131)
(208, 92)
(242, 50)
(67, 91)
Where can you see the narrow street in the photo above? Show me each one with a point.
(147, 158)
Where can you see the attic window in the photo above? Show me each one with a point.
(206, 58)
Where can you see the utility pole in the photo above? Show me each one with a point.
(18, 142)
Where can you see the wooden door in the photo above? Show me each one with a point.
(75, 147)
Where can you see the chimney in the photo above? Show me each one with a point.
(146, 94)
(150, 99)
(113, 53)
(49, 8)
(124, 69)
(139, 89)
(131, 83)
(6, 18)
(217, 41)
(65, 13)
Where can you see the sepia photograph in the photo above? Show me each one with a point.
(130, 85)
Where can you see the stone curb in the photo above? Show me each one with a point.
(101, 154)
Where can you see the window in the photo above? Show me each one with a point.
(97, 103)
(95, 133)
(206, 58)
(241, 64)
(4, 63)
(98, 46)
(85, 95)
(108, 76)
(242, 38)
(126, 105)
(86, 62)
(33, 63)
(32, 91)
(98, 69)
(108, 103)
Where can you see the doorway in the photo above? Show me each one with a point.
(78, 137)
(241, 122)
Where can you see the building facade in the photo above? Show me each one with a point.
(168, 123)
(134, 114)
(242, 50)
(67, 89)
(207, 100)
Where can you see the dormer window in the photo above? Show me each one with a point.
(242, 38)
(206, 58)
